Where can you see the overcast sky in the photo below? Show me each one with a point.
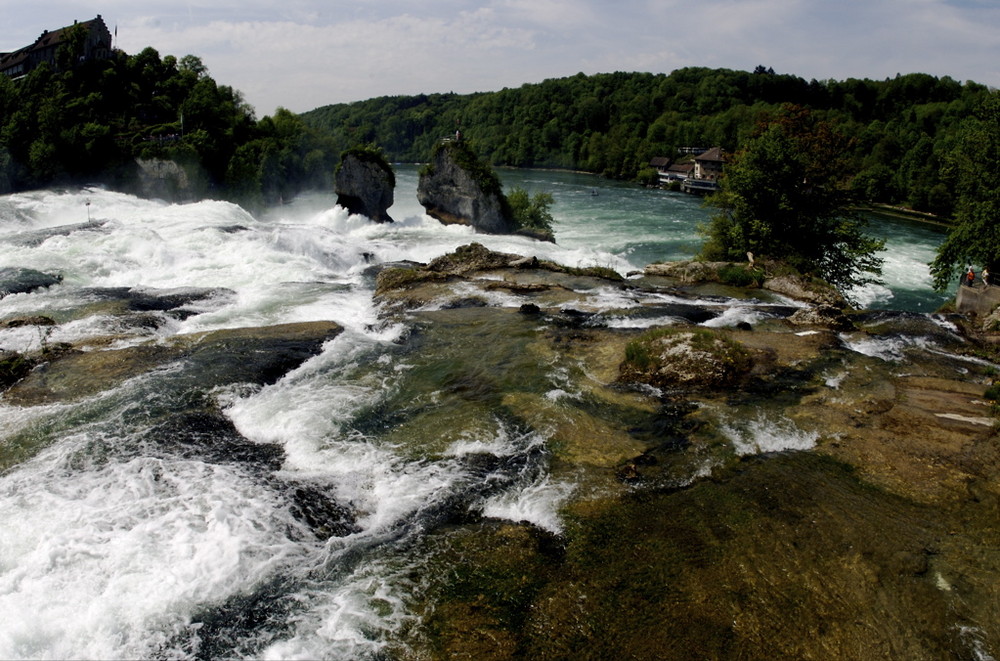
(302, 54)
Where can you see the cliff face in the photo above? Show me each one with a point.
(169, 180)
(452, 191)
(365, 186)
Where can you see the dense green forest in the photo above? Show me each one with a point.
(89, 123)
(901, 130)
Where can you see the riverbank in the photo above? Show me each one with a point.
(891, 211)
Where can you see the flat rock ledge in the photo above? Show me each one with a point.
(412, 285)
(792, 285)
(248, 355)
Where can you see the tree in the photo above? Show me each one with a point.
(781, 198)
(531, 212)
(975, 165)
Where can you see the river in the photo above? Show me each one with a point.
(114, 548)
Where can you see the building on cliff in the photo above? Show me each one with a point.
(95, 45)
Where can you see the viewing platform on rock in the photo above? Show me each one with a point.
(978, 299)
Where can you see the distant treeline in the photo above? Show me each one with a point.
(89, 122)
(902, 130)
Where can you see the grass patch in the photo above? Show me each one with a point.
(738, 275)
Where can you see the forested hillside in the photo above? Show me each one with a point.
(902, 130)
(89, 122)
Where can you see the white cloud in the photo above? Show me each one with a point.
(305, 53)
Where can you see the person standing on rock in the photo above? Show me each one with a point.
(986, 276)
(970, 277)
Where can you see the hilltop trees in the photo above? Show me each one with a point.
(89, 122)
(783, 198)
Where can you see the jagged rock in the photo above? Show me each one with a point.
(169, 180)
(234, 355)
(803, 289)
(15, 280)
(825, 315)
(695, 358)
(33, 320)
(456, 188)
(992, 321)
(686, 271)
(476, 257)
(364, 184)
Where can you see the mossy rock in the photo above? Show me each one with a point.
(399, 277)
(13, 367)
(685, 358)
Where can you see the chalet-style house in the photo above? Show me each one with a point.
(670, 170)
(699, 174)
(708, 165)
(96, 46)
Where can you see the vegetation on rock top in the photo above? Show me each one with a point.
(369, 154)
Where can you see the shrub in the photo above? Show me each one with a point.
(530, 212)
(740, 276)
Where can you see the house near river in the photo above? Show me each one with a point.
(697, 169)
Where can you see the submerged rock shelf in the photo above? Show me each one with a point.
(657, 467)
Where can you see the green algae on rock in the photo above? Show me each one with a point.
(685, 358)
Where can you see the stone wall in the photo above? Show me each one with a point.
(979, 300)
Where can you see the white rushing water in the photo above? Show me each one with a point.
(111, 551)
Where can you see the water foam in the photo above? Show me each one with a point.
(762, 435)
(890, 349)
(537, 503)
(105, 563)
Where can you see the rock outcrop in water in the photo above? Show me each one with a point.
(782, 281)
(456, 188)
(364, 184)
(170, 180)
(688, 358)
(64, 372)
(22, 281)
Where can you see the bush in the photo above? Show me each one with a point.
(531, 212)
(648, 177)
(740, 276)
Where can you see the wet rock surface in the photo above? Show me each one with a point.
(826, 497)
(243, 355)
(788, 482)
(15, 280)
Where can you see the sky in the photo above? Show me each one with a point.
(303, 54)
